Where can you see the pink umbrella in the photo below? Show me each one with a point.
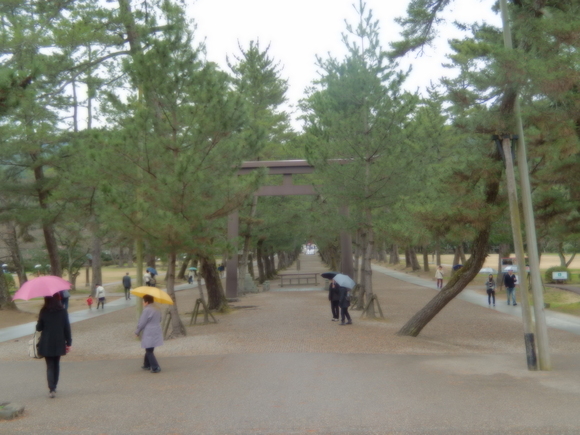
(42, 286)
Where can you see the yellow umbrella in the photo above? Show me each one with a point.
(158, 295)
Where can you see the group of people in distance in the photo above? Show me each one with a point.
(339, 297)
(509, 280)
(56, 337)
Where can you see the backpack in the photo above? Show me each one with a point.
(348, 294)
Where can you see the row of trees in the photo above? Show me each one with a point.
(116, 131)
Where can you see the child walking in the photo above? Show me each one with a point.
(90, 302)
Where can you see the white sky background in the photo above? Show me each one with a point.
(298, 30)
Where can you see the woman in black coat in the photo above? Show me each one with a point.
(344, 302)
(333, 297)
(55, 340)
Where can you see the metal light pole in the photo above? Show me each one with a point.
(506, 143)
(532, 244)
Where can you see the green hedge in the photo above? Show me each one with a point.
(548, 273)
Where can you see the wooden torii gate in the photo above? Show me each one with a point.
(286, 168)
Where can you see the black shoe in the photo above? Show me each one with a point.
(157, 370)
(515, 305)
(145, 368)
(52, 394)
(349, 322)
(341, 324)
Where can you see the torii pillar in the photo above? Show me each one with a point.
(286, 168)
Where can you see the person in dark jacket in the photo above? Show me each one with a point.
(127, 286)
(344, 303)
(490, 288)
(510, 281)
(150, 325)
(334, 299)
(55, 340)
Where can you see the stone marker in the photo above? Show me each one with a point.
(8, 410)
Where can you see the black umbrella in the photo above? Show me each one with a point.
(329, 275)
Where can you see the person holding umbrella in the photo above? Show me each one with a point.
(152, 337)
(345, 284)
(333, 294)
(56, 338)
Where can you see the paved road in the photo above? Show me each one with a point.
(554, 319)
(13, 332)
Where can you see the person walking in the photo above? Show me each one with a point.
(100, 296)
(127, 286)
(64, 297)
(439, 276)
(344, 303)
(490, 288)
(147, 279)
(152, 337)
(510, 281)
(55, 340)
(334, 298)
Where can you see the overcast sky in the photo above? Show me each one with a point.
(298, 30)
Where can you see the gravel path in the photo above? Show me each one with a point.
(299, 321)
(277, 364)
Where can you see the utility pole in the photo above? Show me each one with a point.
(530, 226)
(519, 247)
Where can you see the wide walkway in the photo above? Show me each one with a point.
(276, 364)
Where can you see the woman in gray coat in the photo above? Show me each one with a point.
(150, 325)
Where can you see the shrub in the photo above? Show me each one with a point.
(548, 273)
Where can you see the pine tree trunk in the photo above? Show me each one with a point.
(408, 261)
(47, 224)
(97, 277)
(243, 265)
(183, 268)
(11, 241)
(120, 261)
(367, 261)
(414, 260)
(130, 254)
(150, 260)
(395, 255)
(260, 259)
(267, 265)
(88, 273)
(213, 283)
(457, 256)
(561, 254)
(6, 302)
(177, 328)
(251, 265)
(356, 263)
(462, 278)
(462, 254)
(425, 259)
(382, 253)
